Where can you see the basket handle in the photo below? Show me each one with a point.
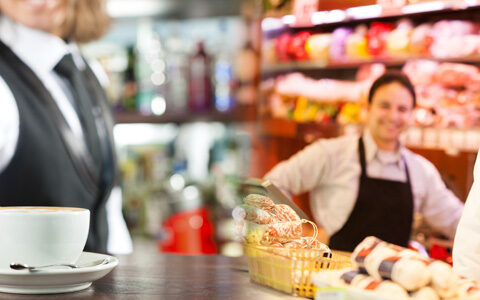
(315, 229)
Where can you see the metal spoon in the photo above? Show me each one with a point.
(18, 266)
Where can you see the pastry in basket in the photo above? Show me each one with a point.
(260, 221)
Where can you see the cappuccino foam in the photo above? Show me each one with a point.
(38, 209)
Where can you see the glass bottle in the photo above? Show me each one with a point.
(130, 84)
(177, 61)
(223, 73)
(199, 80)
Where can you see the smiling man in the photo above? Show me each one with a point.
(371, 184)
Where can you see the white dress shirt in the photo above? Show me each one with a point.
(41, 52)
(330, 170)
(466, 248)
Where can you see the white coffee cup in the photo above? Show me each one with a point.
(42, 235)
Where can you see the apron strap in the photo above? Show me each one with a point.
(361, 154)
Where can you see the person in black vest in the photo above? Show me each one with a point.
(56, 141)
(371, 184)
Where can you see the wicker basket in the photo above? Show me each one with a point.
(289, 270)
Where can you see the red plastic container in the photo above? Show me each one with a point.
(188, 232)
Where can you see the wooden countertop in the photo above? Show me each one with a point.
(146, 274)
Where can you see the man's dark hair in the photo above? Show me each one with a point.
(390, 77)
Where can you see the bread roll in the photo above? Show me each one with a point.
(444, 279)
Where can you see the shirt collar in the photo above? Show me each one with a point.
(40, 50)
(372, 151)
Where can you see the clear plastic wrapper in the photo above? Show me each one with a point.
(253, 214)
(260, 221)
(250, 232)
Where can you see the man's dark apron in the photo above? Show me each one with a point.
(384, 208)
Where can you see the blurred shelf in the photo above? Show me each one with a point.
(451, 152)
(243, 113)
(308, 131)
(454, 141)
(172, 9)
(419, 12)
(321, 65)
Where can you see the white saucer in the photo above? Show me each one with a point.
(53, 281)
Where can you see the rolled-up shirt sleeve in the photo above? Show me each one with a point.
(466, 248)
(9, 125)
(303, 171)
(441, 208)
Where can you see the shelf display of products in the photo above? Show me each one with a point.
(378, 40)
(303, 99)
(320, 75)
(447, 95)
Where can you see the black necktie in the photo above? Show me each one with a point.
(89, 109)
(67, 69)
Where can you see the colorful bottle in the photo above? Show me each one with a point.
(199, 80)
(223, 73)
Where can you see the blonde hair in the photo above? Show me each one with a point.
(87, 20)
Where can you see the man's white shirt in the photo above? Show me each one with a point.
(330, 170)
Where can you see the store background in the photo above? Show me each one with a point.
(205, 91)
